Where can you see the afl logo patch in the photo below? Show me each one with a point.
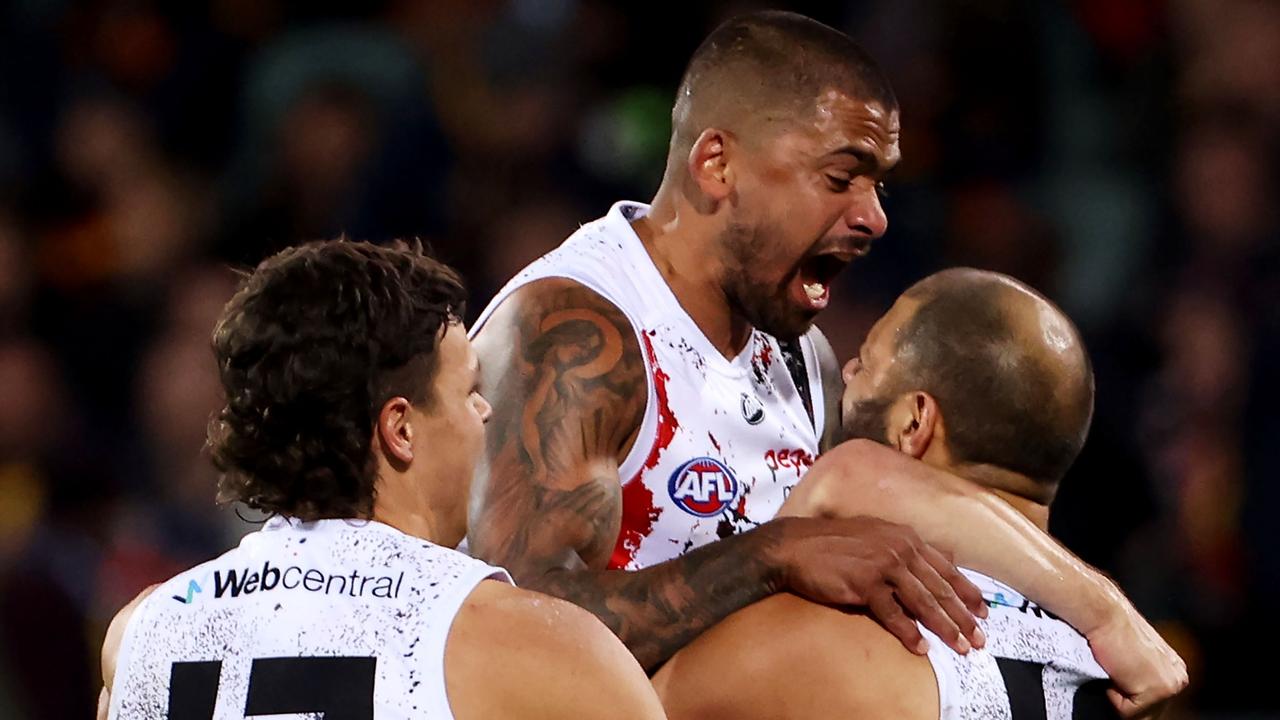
(703, 487)
(752, 410)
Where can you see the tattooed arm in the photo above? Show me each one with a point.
(564, 372)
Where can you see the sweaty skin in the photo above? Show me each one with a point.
(748, 199)
(568, 383)
(824, 662)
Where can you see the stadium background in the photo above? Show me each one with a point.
(1119, 154)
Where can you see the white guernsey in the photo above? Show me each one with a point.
(723, 440)
(1033, 666)
(331, 616)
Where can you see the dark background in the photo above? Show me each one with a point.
(1120, 155)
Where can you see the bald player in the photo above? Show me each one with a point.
(980, 377)
(658, 387)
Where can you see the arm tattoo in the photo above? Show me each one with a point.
(567, 381)
(660, 609)
(568, 388)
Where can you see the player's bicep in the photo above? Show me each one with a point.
(565, 375)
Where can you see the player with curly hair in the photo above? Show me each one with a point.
(353, 419)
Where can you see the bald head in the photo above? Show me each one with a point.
(1007, 368)
(767, 69)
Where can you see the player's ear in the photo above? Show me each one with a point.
(394, 430)
(709, 166)
(920, 423)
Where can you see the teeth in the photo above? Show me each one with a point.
(815, 291)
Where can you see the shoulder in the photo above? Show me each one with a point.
(820, 661)
(564, 660)
(556, 311)
(556, 346)
(551, 294)
(115, 635)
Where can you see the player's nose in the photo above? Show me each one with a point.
(850, 368)
(865, 216)
(484, 408)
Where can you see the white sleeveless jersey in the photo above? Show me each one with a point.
(342, 617)
(1034, 666)
(723, 441)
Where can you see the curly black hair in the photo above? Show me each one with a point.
(316, 340)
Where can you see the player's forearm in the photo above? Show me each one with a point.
(986, 534)
(658, 610)
(976, 527)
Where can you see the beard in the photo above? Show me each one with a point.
(762, 303)
(867, 419)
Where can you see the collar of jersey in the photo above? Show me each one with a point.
(651, 277)
(282, 522)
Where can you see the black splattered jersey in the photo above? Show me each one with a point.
(1034, 666)
(333, 618)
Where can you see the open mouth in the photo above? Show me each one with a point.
(812, 284)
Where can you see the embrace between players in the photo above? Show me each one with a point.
(655, 396)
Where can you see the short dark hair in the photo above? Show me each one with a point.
(1005, 404)
(316, 340)
(771, 59)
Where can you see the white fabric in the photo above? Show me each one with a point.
(324, 589)
(723, 441)
(972, 687)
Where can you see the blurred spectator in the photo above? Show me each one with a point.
(1121, 155)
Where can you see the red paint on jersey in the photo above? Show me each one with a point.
(796, 459)
(638, 511)
(765, 355)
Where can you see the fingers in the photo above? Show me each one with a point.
(947, 594)
(922, 604)
(1135, 707)
(895, 620)
(1123, 705)
(968, 593)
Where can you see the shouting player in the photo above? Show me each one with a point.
(353, 418)
(659, 390)
(980, 377)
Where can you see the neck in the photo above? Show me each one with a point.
(678, 238)
(1015, 489)
(408, 513)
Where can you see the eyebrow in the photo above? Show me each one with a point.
(864, 157)
(860, 154)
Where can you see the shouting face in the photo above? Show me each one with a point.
(806, 203)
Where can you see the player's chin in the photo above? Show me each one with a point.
(781, 316)
(788, 326)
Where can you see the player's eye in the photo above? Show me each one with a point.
(839, 184)
(881, 191)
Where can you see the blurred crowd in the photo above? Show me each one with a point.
(1120, 155)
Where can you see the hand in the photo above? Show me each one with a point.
(885, 567)
(1145, 671)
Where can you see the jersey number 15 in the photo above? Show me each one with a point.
(339, 687)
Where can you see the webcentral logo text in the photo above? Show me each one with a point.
(234, 583)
